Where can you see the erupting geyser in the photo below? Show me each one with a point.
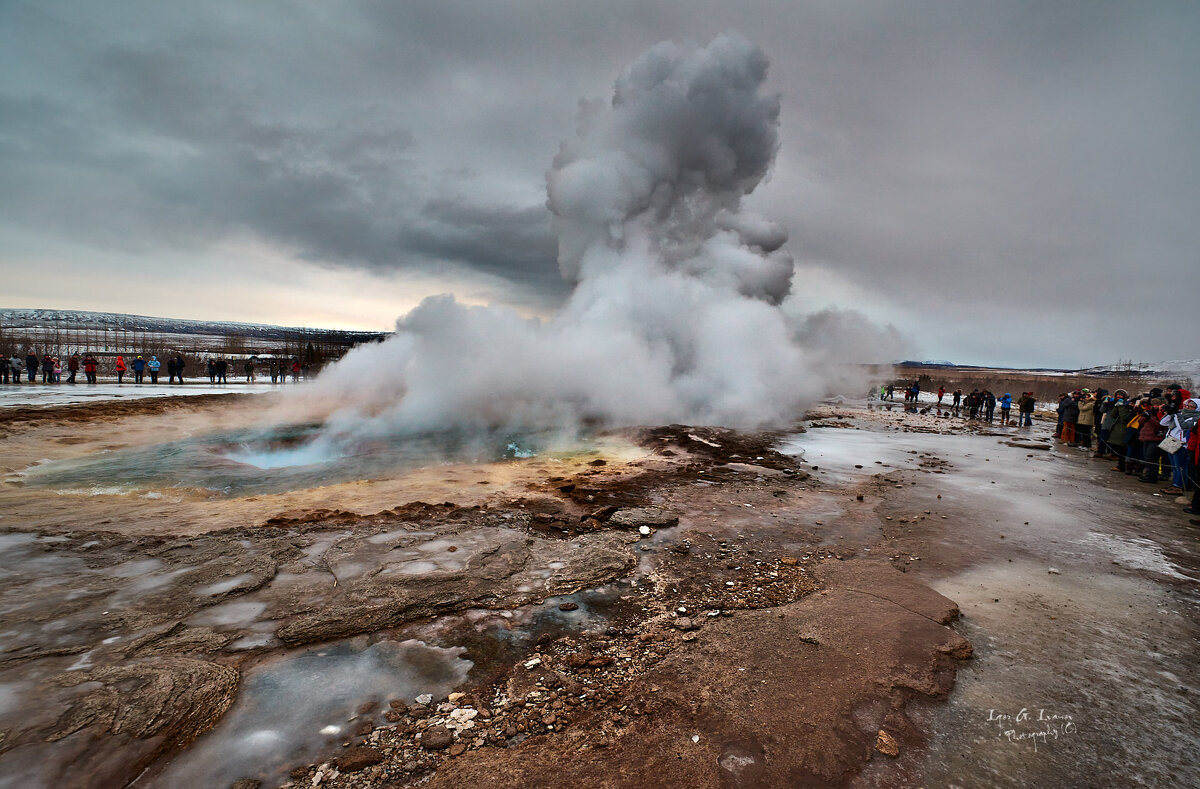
(676, 313)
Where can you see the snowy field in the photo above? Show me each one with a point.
(39, 394)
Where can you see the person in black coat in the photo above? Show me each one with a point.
(31, 366)
(1068, 409)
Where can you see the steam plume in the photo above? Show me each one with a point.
(675, 315)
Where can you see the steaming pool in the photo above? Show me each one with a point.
(271, 460)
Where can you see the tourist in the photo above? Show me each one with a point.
(1119, 431)
(154, 365)
(250, 370)
(1006, 409)
(1025, 409)
(1068, 410)
(120, 365)
(212, 370)
(89, 368)
(1150, 432)
(296, 369)
(73, 367)
(31, 366)
(1178, 425)
(15, 367)
(47, 369)
(180, 363)
(139, 369)
(957, 401)
(1085, 419)
(222, 370)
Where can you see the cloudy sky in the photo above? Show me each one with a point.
(1004, 182)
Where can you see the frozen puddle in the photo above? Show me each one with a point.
(1136, 553)
(289, 711)
(839, 450)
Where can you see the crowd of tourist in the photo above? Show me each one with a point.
(49, 368)
(979, 404)
(1152, 435)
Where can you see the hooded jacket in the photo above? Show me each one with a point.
(1121, 412)
(1069, 409)
(1087, 414)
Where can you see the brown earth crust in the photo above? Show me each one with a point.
(751, 644)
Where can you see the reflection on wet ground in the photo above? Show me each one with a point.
(293, 707)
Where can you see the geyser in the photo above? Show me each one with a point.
(676, 311)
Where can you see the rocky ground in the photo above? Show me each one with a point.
(663, 606)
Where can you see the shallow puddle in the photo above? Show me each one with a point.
(293, 709)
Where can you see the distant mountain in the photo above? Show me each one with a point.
(1183, 369)
(112, 321)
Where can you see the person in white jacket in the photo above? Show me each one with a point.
(1178, 426)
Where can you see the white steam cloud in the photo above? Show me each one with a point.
(676, 313)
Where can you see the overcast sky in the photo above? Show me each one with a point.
(1005, 182)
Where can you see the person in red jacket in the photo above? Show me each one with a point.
(1150, 432)
(120, 368)
(89, 368)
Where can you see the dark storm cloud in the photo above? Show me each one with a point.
(1012, 159)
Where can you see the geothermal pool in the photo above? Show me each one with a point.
(270, 460)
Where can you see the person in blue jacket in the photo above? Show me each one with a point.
(153, 366)
(139, 368)
(1006, 409)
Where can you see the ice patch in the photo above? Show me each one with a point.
(1136, 553)
(221, 587)
(228, 614)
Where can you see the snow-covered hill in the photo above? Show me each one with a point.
(112, 321)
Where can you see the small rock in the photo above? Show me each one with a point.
(1054, 571)
(358, 758)
(246, 783)
(644, 531)
(534, 663)
(684, 623)
(453, 697)
(886, 744)
(790, 561)
(436, 738)
(457, 749)
(424, 698)
(567, 606)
